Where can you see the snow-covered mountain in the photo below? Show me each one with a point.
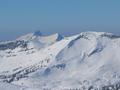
(86, 61)
(28, 44)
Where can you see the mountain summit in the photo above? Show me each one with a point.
(30, 36)
(37, 33)
(87, 61)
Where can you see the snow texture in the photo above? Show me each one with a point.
(86, 61)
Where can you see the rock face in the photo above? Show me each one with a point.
(87, 61)
(13, 44)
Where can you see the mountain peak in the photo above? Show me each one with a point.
(58, 36)
(37, 33)
(30, 36)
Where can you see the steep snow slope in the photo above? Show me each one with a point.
(23, 64)
(86, 61)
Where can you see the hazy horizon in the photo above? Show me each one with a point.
(65, 17)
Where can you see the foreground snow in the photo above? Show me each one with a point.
(89, 60)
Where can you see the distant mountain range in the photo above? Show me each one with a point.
(86, 61)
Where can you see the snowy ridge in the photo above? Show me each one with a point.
(89, 60)
(30, 36)
(28, 44)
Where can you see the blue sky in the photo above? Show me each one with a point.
(18, 17)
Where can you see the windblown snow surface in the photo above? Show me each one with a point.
(86, 61)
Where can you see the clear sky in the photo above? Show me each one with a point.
(18, 17)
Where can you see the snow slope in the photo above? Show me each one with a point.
(89, 60)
